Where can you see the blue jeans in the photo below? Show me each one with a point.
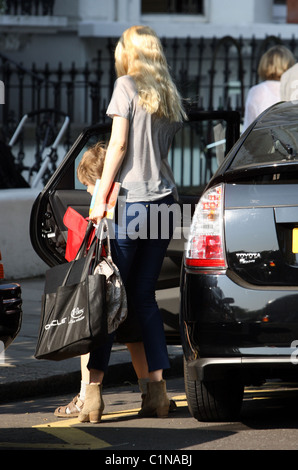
(141, 239)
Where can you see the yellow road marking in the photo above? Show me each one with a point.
(78, 439)
(58, 424)
(261, 398)
(75, 438)
(179, 398)
(18, 446)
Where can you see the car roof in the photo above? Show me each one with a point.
(279, 114)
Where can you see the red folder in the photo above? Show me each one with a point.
(76, 225)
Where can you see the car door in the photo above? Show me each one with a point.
(195, 155)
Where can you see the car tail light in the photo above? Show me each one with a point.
(1, 268)
(205, 247)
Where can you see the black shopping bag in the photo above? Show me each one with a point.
(73, 317)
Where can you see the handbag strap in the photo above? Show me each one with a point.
(86, 266)
(83, 248)
(103, 234)
(95, 250)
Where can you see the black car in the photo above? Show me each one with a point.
(204, 140)
(239, 281)
(10, 310)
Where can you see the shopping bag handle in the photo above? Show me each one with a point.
(103, 234)
(83, 248)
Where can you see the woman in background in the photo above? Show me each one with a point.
(272, 65)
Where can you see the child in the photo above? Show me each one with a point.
(88, 171)
(91, 166)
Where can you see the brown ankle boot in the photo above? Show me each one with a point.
(156, 402)
(93, 404)
(143, 389)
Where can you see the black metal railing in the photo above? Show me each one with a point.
(211, 74)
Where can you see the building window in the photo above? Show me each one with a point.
(280, 11)
(187, 7)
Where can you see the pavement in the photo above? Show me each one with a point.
(23, 376)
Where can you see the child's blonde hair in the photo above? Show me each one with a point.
(91, 165)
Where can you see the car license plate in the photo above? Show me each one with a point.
(295, 240)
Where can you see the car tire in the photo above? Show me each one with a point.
(214, 400)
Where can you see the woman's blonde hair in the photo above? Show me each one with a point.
(275, 62)
(139, 53)
(91, 165)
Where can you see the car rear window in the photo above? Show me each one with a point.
(268, 145)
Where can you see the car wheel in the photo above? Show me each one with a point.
(215, 400)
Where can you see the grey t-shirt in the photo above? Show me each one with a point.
(145, 174)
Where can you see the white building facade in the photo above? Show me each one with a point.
(86, 19)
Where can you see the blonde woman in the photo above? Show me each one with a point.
(272, 65)
(147, 112)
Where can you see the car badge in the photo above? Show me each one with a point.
(246, 258)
